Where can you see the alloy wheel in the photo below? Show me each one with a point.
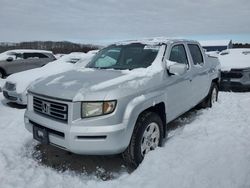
(150, 138)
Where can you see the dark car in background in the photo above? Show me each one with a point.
(235, 67)
(13, 61)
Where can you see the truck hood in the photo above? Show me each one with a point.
(90, 84)
(99, 84)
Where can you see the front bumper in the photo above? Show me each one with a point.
(13, 96)
(234, 86)
(84, 139)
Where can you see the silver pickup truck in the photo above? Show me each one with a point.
(124, 99)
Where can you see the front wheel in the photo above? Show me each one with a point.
(147, 135)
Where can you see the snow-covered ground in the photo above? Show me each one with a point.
(207, 148)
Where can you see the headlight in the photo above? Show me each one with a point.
(10, 86)
(92, 109)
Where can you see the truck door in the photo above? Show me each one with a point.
(200, 76)
(179, 90)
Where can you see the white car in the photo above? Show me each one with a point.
(235, 69)
(16, 85)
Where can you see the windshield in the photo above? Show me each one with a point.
(122, 57)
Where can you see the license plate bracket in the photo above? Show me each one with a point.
(40, 134)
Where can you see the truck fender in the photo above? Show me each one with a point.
(136, 106)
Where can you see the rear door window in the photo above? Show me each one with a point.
(196, 54)
(178, 54)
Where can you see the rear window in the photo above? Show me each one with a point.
(196, 54)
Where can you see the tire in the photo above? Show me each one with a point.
(147, 135)
(212, 96)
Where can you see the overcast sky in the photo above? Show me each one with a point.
(101, 21)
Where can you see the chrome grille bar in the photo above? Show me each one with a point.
(50, 108)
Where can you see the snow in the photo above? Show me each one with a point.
(70, 83)
(28, 50)
(234, 59)
(57, 56)
(152, 41)
(25, 78)
(215, 42)
(55, 81)
(205, 148)
(213, 53)
(93, 52)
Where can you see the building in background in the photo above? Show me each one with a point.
(216, 45)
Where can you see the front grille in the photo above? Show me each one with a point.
(10, 86)
(49, 108)
(232, 74)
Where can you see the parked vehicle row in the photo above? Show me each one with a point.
(124, 98)
(16, 85)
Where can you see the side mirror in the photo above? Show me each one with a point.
(9, 59)
(176, 68)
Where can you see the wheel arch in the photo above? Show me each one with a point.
(140, 105)
(159, 109)
(216, 81)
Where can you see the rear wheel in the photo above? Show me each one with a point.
(212, 96)
(147, 135)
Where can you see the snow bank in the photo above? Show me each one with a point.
(209, 149)
(235, 59)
